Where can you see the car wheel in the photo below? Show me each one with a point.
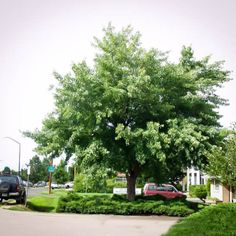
(18, 200)
(23, 199)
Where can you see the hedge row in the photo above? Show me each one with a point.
(106, 204)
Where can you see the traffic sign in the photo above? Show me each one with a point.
(51, 168)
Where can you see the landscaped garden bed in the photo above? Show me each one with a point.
(119, 205)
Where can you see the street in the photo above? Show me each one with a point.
(37, 191)
(38, 224)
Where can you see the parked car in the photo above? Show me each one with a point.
(11, 187)
(166, 190)
(69, 184)
(25, 183)
(56, 185)
(40, 184)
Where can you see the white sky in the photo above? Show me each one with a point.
(42, 36)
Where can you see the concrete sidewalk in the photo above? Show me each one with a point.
(38, 224)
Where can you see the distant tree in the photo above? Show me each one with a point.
(24, 174)
(134, 109)
(61, 175)
(38, 169)
(222, 160)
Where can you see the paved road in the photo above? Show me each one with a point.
(42, 224)
(37, 191)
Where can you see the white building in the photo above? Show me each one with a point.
(222, 192)
(195, 177)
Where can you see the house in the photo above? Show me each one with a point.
(121, 177)
(219, 191)
(222, 192)
(195, 177)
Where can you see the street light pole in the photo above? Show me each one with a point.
(19, 152)
(0, 169)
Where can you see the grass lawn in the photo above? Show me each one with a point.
(45, 202)
(217, 220)
(48, 202)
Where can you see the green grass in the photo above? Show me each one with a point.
(45, 202)
(217, 220)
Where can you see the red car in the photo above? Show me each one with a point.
(166, 190)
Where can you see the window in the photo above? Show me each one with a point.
(190, 178)
(152, 187)
(169, 189)
(9, 179)
(121, 179)
(195, 178)
(217, 186)
(202, 180)
(160, 189)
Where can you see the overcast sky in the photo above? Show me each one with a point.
(39, 37)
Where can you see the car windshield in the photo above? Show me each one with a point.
(9, 179)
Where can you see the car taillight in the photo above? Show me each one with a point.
(17, 188)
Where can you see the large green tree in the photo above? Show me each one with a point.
(134, 110)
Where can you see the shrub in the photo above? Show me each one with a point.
(118, 204)
(90, 183)
(199, 191)
(111, 183)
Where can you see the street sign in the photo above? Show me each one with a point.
(51, 168)
(28, 170)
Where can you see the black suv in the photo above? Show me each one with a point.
(11, 187)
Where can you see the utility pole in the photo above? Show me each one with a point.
(0, 168)
(50, 170)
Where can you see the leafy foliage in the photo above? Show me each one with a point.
(92, 180)
(134, 110)
(105, 204)
(199, 191)
(60, 175)
(222, 160)
(38, 169)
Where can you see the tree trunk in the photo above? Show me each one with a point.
(131, 181)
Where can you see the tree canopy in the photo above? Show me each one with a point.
(134, 110)
(222, 160)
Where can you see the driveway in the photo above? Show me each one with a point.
(37, 224)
